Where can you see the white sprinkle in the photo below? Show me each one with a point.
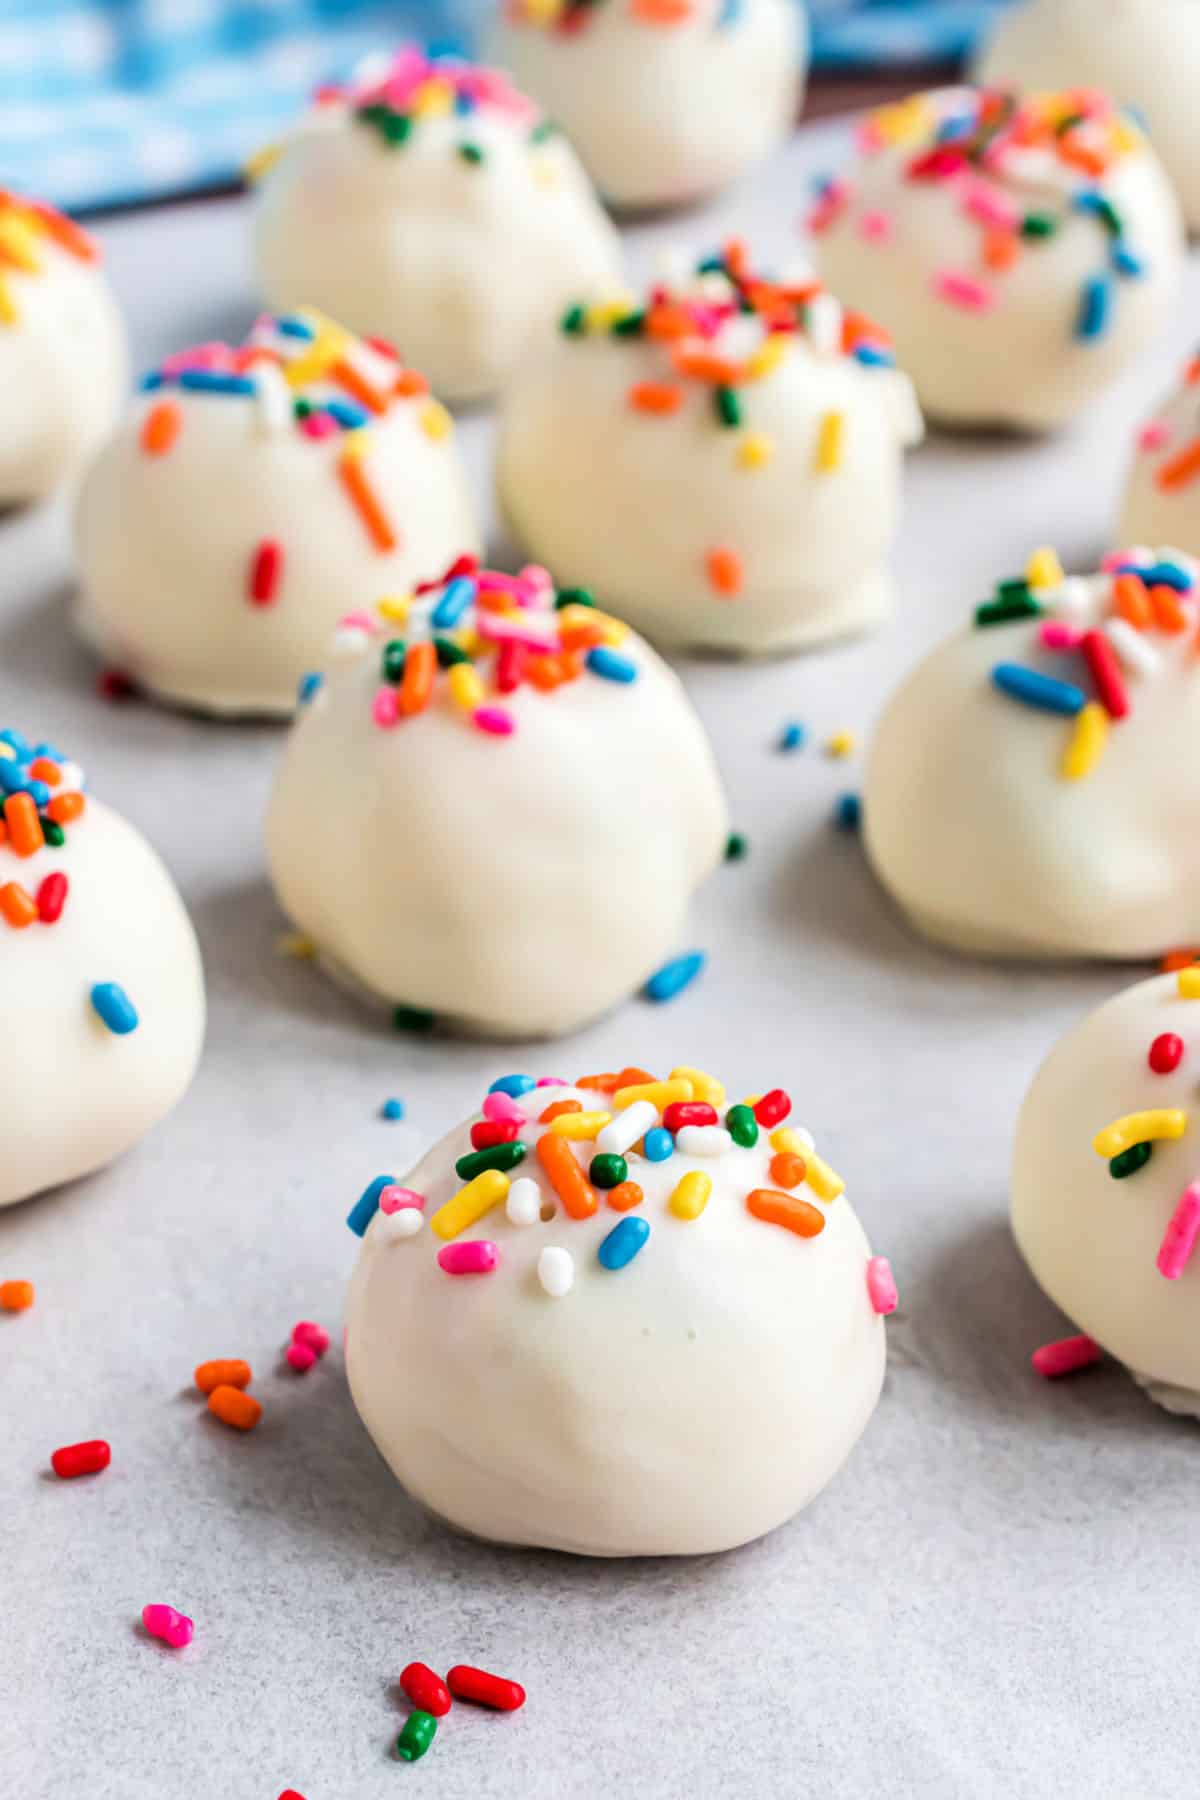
(703, 1140)
(556, 1271)
(1132, 647)
(806, 1137)
(273, 398)
(823, 324)
(1073, 598)
(73, 778)
(524, 1203)
(627, 1128)
(349, 640)
(393, 1228)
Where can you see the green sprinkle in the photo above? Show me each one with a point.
(711, 265)
(545, 128)
(394, 654)
(573, 597)
(413, 1018)
(1038, 225)
(573, 320)
(396, 129)
(496, 1156)
(1016, 587)
(736, 846)
(729, 407)
(1000, 611)
(471, 153)
(632, 325)
(1104, 209)
(448, 653)
(1130, 1161)
(54, 834)
(1069, 123)
(420, 1729)
(608, 1171)
(742, 1126)
(301, 408)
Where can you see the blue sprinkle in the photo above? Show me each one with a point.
(793, 736)
(622, 1243)
(15, 740)
(513, 1085)
(209, 381)
(348, 417)
(392, 1109)
(730, 13)
(1161, 574)
(50, 751)
(367, 1205)
(606, 662)
(658, 1144)
(291, 326)
(1035, 689)
(14, 777)
(1124, 261)
(674, 976)
(1095, 308)
(149, 383)
(114, 1008)
(874, 357)
(847, 814)
(465, 103)
(309, 687)
(38, 792)
(454, 602)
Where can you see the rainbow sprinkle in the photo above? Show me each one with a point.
(26, 228)
(42, 794)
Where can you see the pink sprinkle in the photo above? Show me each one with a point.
(1065, 1356)
(1113, 560)
(551, 1081)
(496, 628)
(318, 425)
(300, 1357)
(876, 227)
(213, 355)
(1057, 634)
(357, 621)
(310, 1333)
(394, 1199)
(1179, 1239)
(963, 291)
(868, 137)
(881, 1285)
(495, 720)
(992, 208)
(1154, 436)
(385, 708)
(536, 582)
(477, 1257)
(172, 1627)
(494, 581)
(501, 1107)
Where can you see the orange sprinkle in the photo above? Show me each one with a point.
(1082, 156)
(725, 572)
(226, 1371)
(410, 382)
(1175, 960)
(66, 233)
(347, 376)
(420, 667)
(582, 636)
(65, 807)
(232, 1407)
(1193, 372)
(558, 1109)
(1169, 616)
(634, 1077)
(3, 832)
(655, 397)
(160, 427)
(736, 256)
(787, 1169)
(624, 1196)
(18, 907)
(787, 1210)
(566, 1177)
(661, 12)
(1131, 600)
(603, 1084)
(17, 1296)
(354, 480)
(702, 365)
(42, 769)
(24, 827)
(666, 323)
(1000, 248)
(1179, 469)
(857, 326)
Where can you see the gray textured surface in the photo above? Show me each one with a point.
(991, 1600)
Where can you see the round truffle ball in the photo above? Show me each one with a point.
(720, 463)
(665, 100)
(515, 803)
(1144, 52)
(63, 359)
(1029, 791)
(1105, 1189)
(1020, 250)
(433, 204)
(253, 496)
(1162, 494)
(669, 1365)
(101, 988)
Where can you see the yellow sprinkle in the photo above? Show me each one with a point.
(660, 1093)
(355, 444)
(603, 313)
(8, 306)
(319, 358)
(294, 943)
(395, 609)
(1043, 570)
(784, 1138)
(8, 753)
(691, 1195)
(18, 242)
(840, 744)
(542, 12)
(433, 99)
(436, 422)
(468, 1206)
(829, 442)
(1188, 984)
(755, 450)
(1139, 1128)
(580, 1124)
(469, 641)
(1086, 743)
(1125, 136)
(752, 1100)
(466, 687)
(825, 1182)
(546, 172)
(615, 630)
(704, 1087)
(262, 162)
(767, 357)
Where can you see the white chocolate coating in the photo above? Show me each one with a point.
(682, 1405)
(663, 114)
(167, 542)
(1092, 1242)
(64, 365)
(516, 886)
(1146, 53)
(81, 1094)
(972, 828)
(458, 263)
(1162, 506)
(1011, 355)
(629, 504)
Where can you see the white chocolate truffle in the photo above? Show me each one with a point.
(254, 496)
(508, 841)
(1030, 790)
(1162, 495)
(675, 1359)
(432, 204)
(1106, 1182)
(64, 365)
(666, 100)
(1020, 250)
(101, 989)
(723, 478)
(1146, 53)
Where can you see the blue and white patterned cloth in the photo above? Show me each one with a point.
(104, 101)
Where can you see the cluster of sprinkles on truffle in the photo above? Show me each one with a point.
(581, 1146)
(1180, 464)
(42, 796)
(297, 373)
(569, 17)
(1109, 632)
(717, 334)
(1017, 167)
(26, 227)
(475, 636)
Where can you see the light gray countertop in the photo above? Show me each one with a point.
(992, 1599)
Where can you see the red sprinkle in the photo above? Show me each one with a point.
(52, 897)
(266, 571)
(81, 1459)
(1106, 673)
(773, 1108)
(466, 1683)
(1166, 1053)
(427, 1691)
(114, 684)
(688, 1112)
(488, 1132)
(1066, 1355)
